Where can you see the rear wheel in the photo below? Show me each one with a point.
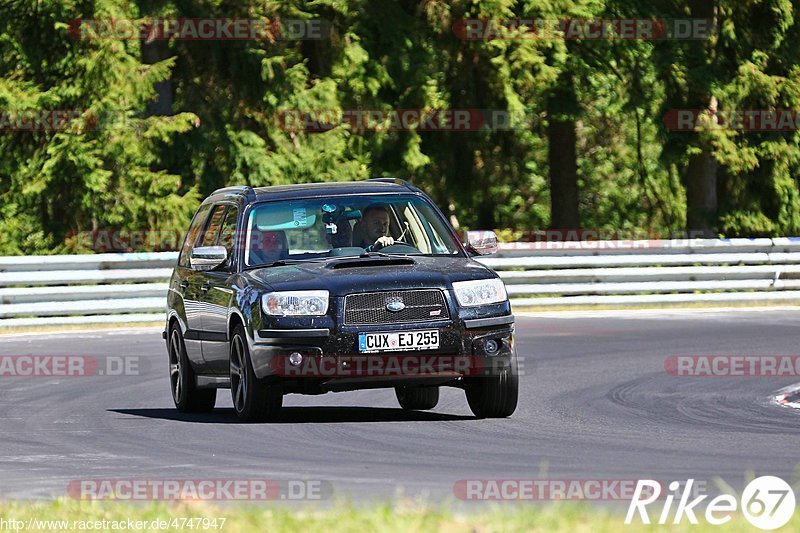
(187, 397)
(253, 400)
(495, 396)
(417, 398)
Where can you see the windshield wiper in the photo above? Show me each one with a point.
(374, 254)
(365, 255)
(284, 262)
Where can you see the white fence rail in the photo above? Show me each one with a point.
(132, 287)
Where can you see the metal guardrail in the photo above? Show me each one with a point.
(100, 288)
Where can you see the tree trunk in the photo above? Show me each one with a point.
(701, 194)
(153, 52)
(701, 172)
(562, 157)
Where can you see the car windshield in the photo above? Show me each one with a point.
(309, 229)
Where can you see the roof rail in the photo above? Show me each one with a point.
(233, 189)
(396, 181)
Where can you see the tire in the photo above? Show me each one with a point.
(417, 398)
(253, 400)
(187, 397)
(495, 396)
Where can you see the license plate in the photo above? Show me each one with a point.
(399, 341)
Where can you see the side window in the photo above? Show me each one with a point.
(209, 237)
(227, 236)
(191, 236)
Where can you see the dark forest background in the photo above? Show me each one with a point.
(588, 148)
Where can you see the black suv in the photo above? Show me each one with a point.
(331, 287)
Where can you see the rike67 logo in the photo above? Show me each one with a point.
(767, 502)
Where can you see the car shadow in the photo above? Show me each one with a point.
(301, 415)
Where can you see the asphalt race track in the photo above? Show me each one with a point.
(596, 403)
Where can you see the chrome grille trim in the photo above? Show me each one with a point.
(369, 308)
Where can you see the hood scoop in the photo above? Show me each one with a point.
(359, 262)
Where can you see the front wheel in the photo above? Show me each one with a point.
(417, 398)
(253, 400)
(187, 397)
(495, 396)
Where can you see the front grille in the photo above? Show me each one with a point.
(370, 307)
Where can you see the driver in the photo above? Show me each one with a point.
(376, 227)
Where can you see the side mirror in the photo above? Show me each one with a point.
(481, 242)
(207, 258)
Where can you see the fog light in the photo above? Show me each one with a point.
(491, 346)
(295, 359)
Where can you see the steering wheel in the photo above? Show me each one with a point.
(371, 247)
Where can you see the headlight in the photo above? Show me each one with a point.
(295, 303)
(480, 292)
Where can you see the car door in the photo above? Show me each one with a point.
(215, 292)
(187, 284)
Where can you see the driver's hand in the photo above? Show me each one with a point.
(383, 242)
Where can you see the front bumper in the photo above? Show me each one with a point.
(331, 360)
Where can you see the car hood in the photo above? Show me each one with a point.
(349, 275)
